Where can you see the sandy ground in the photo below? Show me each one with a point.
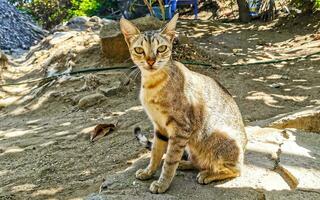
(45, 152)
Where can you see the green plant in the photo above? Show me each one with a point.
(306, 5)
(84, 7)
(317, 5)
(49, 13)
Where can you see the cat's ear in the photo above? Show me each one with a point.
(128, 30)
(170, 29)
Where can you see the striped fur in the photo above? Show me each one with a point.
(194, 111)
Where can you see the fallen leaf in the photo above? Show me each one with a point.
(101, 130)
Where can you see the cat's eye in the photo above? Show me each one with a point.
(139, 50)
(162, 48)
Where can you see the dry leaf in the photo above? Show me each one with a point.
(101, 130)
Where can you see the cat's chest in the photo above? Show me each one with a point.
(156, 106)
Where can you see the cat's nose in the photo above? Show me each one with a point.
(151, 62)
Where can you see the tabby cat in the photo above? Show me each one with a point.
(189, 111)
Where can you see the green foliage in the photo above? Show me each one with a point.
(307, 5)
(84, 7)
(317, 4)
(49, 13)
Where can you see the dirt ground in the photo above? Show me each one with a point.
(45, 151)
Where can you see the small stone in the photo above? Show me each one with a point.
(276, 85)
(90, 100)
(285, 77)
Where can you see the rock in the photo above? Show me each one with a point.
(110, 91)
(276, 85)
(261, 152)
(306, 119)
(82, 23)
(17, 30)
(90, 100)
(78, 23)
(117, 89)
(113, 45)
(59, 37)
(95, 19)
(299, 160)
(292, 195)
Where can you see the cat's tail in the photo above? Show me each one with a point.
(146, 143)
(142, 139)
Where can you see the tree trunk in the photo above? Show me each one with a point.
(243, 11)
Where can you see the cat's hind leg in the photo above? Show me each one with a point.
(186, 165)
(221, 158)
(227, 172)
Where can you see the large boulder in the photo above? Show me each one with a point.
(113, 45)
(307, 119)
(17, 30)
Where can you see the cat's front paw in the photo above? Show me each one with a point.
(144, 174)
(158, 187)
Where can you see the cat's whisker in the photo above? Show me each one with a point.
(136, 75)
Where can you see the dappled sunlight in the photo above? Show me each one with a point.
(299, 80)
(47, 143)
(293, 148)
(4, 102)
(197, 35)
(14, 133)
(47, 192)
(304, 87)
(134, 108)
(23, 188)
(17, 132)
(35, 121)
(262, 96)
(308, 178)
(14, 149)
(61, 133)
(40, 101)
(269, 99)
(5, 172)
(65, 124)
(256, 177)
(292, 98)
(315, 101)
(274, 77)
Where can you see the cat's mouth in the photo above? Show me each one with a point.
(151, 68)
